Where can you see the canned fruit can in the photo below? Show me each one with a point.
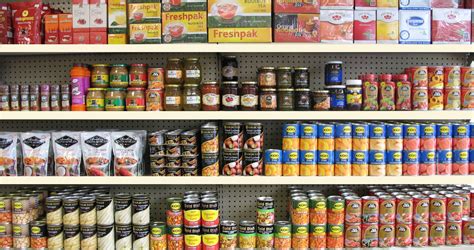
(233, 136)
(437, 208)
(468, 231)
(436, 99)
(437, 234)
(453, 233)
(232, 161)
(420, 98)
(325, 157)
(386, 235)
(454, 208)
(370, 235)
(436, 77)
(290, 135)
(452, 76)
(404, 212)
(452, 99)
(291, 169)
(253, 137)
(387, 209)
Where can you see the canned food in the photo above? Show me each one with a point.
(317, 210)
(370, 235)
(56, 237)
(420, 98)
(192, 212)
(72, 238)
(335, 236)
(228, 234)
(420, 235)
(300, 236)
(468, 230)
(105, 209)
(370, 209)
(253, 137)
(192, 238)
(253, 163)
(335, 215)
(265, 236)
(105, 236)
(38, 235)
(158, 236)
(210, 212)
(421, 205)
(54, 210)
(233, 136)
(140, 209)
(21, 236)
(188, 137)
(353, 210)
(452, 76)
(210, 164)
(437, 208)
(404, 209)
(141, 239)
(452, 99)
(300, 210)
(386, 235)
(123, 236)
(282, 235)
(6, 240)
(232, 161)
(403, 235)
(174, 171)
(387, 209)
(466, 202)
(173, 161)
(20, 210)
(437, 234)
(352, 236)
(454, 207)
(273, 161)
(435, 99)
(123, 208)
(209, 138)
(265, 211)
(5, 209)
(247, 234)
(189, 150)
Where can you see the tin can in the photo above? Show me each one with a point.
(20, 210)
(140, 209)
(387, 209)
(265, 236)
(317, 236)
(72, 236)
(192, 212)
(317, 210)
(210, 238)
(56, 237)
(6, 238)
(233, 136)
(452, 76)
(403, 235)
(466, 201)
(436, 99)
(454, 208)
(192, 238)
(123, 236)
(300, 236)
(21, 236)
(158, 236)
(421, 206)
(461, 136)
(265, 211)
(282, 235)
(467, 77)
(300, 210)
(468, 231)
(308, 136)
(252, 162)
(420, 98)
(5, 209)
(467, 98)
(370, 209)
(123, 208)
(436, 77)
(394, 136)
(210, 164)
(437, 208)
(174, 204)
(453, 233)
(370, 235)
(54, 210)
(209, 138)
(210, 212)
(247, 234)
(228, 234)
(419, 76)
(352, 236)
(175, 238)
(404, 213)
(105, 209)
(141, 239)
(335, 214)
(273, 162)
(452, 98)
(437, 234)
(253, 136)
(105, 235)
(290, 135)
(335, 236)
(38, 235)
(420, 235)
(386, 235)
(353, 209)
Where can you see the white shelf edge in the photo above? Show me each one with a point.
(242, 115)
(236, 180)
(234, 48)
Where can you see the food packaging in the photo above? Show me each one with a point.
(387, 26)
(35, 150)
(365, 27)
(8, 154)
(451, 26)
(446, 3)
(140, 11)
(65, 28)
(184, 5)
(365, 4)
(128, 152)
(416, 4)
(6, 29)
(26, 17)
(387, 4)
(337, 4)
(336, 26)
(296, 6)
(149, 33)
(98, 21)
(415, 26)
(51, 29)
(184, 27)
(296, 28)
(67, 153)
(96, 152)
(240, 21)
(467, 98)
(80, 21)
(117, 21)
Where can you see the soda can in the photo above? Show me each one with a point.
(468, 231)
(453, 233)
(370, 209)
(370, 235)
(437, 208)
(404, 212)
(387, 209)
(454, 208)
(452, 98)
(352, 235)
(386, 235)
(353, 210)
(421, 205)
(394, 138)
(420, 235)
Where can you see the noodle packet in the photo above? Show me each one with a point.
(67, 153)
(128, 153)
(35, 148)
(97, 153)
(8, 154)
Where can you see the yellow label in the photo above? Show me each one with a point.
(301, 230)
(396, 130)
(144, 12)
(387, 3)
(378, 130)
(379, 156)
(3, 229)
(308, 130)
(145, 33)
(360, 130)
(308, 156)
(35, 230)
(294, 155)
(291, 129)
(347, 129)
(175, 206)
(156, 231)
(274, 155)
(327, 130)
(233, 35)
(429, 130)
(18, 205)
(117, 12)
(192, 240)
(176, 230)
(462, 130)
(192, 215)
(176, 24)
(17, 229)
(224, 8)
(210, 239)
(117, 39)
(210, 215)
(2, 204)
(319, 230)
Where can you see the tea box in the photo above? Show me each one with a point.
(183, 5)
(451, 26)
(149, 33)
(336, 26)
(144, 12)
(6, 33)
(296, 28)
(98, 21)
(81, 22)
(447, 3)
(415, 4)
(184, 27)
(365, 4)
(415, 26)
(296, 6)
(65, 28)
(51, 29)
(117, 24)
(387, 26)
(365, 26)
(387, 4)
(337, 4)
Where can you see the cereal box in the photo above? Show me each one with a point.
(365, 4)
(117, 24)
(296, 6)
(149, 33)
(184, 27)
(451, 26)
(415, 26)
(337, 4)
(98, 21)
(145, 12)
(336, 26)
(387, 3)
(296, 28)
(387, 26)
(415, 4)
(65, 28)
(6, 32)
(184, 5)
(365, 26)
(80, 21)
(446, 3)
(240, 21)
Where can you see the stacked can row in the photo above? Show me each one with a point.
(375, 149)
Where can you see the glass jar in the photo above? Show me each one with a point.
(173, 96)
(4, 98)
(100, 76)
(266, 77)
(154, 99)
(337, 94)
(192, 67)
(191, 97)
(35, 102)
(45, 97)
(119, 76)
(286, 99)
(95, 100)
(301, 77)
(230, 96)
(15, 97)
(284, 77)
(268, 99)
(210, 96)
(249, 96)
(25, 98)
(65, 98)
(302, 100)
(230, 68)
(135, 99)
(354, 94)
(138, 75)
(55, 98)
(320, 100)
(115, 99)
(174, 72)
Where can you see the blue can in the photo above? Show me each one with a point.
(325, 157)
(394, 157)
(411, 131)
(308, 131)
(427, 157)
(444, 156)
(360, 157)
(471, 129)
(376, 157)
(337, 96)
(273, 156)
(343, 130)
(460, 156)
(376, 131)
(291, 130)
(471, 156)
(326, 131)
(342, 157)
(461, 130)
(394, 131)
(360, 130)
(333, 73)
(291, 157)
(444, 130)
(411, 156)
(308, 157)
(427, 131)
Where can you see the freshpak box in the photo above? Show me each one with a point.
(365, 4)
(387, 26)
(415, 26)
(145, 33)
(184, 5)
(144, 12)
(184, 27)
(336, 26)
(296, 6)
(337, 4)
(451, 26)
(65, 29)
(446, 3)
(387, 3)
(117, 21)
(98, 21)
(51, 29)
(296, 28)
(416, 4)
(365, 27)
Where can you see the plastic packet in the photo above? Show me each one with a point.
(96, 152)
(8, 154)
(67, 153)
(128, 152)
(35, 147)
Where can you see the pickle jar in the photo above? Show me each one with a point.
(266, 77)
(174, 72)
(210, 96)
(286, 99)
(173, 96)
(192, 68)
(191, 97)
(95, 100)
(119, 76)
(284, 77)
(138, 75)
(100, 76)
(115, 99)
(249, 96)
(268, 99)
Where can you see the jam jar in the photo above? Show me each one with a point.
(95, 100)
(320, 100)
(230, 96)
(100, 76)
(15, 97)
(266, 77)
(354, 94)
(301, 77)
(249, 96)
(135, 99)
(191, 97)
(119, 76)
(115, 99)
(302, 99)
(173, 95)
(192, 68)
(138, 75)
(174, 72)
(268, 99)
(4, 98)
(230, 68)
(284, 77)
(337, 93)
(286, 99)
(210, 96)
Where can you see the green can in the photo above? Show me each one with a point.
(265, 236)
(157, 229)
(335, 204)
(300, 230)
(300, 210)
(282, 229)
(247, 234)
(174, 204)
(335, 230)
(174, 230)
(317, 230)
(317, 202)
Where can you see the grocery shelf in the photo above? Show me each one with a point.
(242, 115)
(236, 180)
(234, 48)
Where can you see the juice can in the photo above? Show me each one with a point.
(467, 98)
(468, 230)
(353, 210)
(436, 77)
(454, 208)
(452, 76)
(352, 235)
(387, 209)
(370, 92)
(452, 98)
(386, 235)
(420, 235)
(437, 234)
(403, 235)
(421, 206)
(453, 233)
(436, 99)
(403, 93)
(404, 212)
(467, 77)
(420, 98)
(386, 93)
(437, 208)
(370, 235)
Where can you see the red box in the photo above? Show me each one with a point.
(98, 21)
(65, 28)
(451, 26)
(296, 6)
(6, 29)
(51, 29)
(365, 26)
(80, 21)
(99, 37)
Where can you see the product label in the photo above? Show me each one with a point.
(193, 100)
(175, 74)
(210, 99)
(230, 100)
(96, 103)
(193, 73)
(173, 100)
(249, 100)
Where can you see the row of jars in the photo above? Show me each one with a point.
(283, 77)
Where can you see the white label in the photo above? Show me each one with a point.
(175, 74)
(193, 99)
(193, 73)
(249, 100)
(230, 100)
(210, 99)
(171, 100)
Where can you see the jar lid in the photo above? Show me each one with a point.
(249, 83)
(119, 65)
(192, 59)
(354, 82)
(209, 82)
(336, 87)
(301, 68)
(173, 86)
(100, 65)
(138, 65)
(284, 68)
(334, 62)
(287, 90)
(116, 89)
(230, 82)
(136, 89)
(301, 89)
(174, 59)
(191, 85)
(268, 90)
(321, 91)
(267, 68)
(96, 89)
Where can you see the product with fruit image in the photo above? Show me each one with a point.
(149, 33)
(184, 27)
(144, 11)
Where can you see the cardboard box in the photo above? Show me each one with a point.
(184, 5)
(80, 21)
(117, 21)
(337, 26)
(416, 4)
(387, 3)
(149, 33)
(98, 21)
(6, 29)
(415, 26)
(365, 4)
(451, 26)
(296, 6)
(184, 27)
(117, 38)
(51, 29)
(365, 27)
(240, 21)
(296, 28)
(65, 29)
(447, 3)
(337, 4)
(144, 13)
(387, 26)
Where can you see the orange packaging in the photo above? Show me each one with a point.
(436, 77)
(51, 29)
(337, 4)
(452, 77)
(467, 98)
(467, 77)
(65, 29)
(436, 100)
(336, 26)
